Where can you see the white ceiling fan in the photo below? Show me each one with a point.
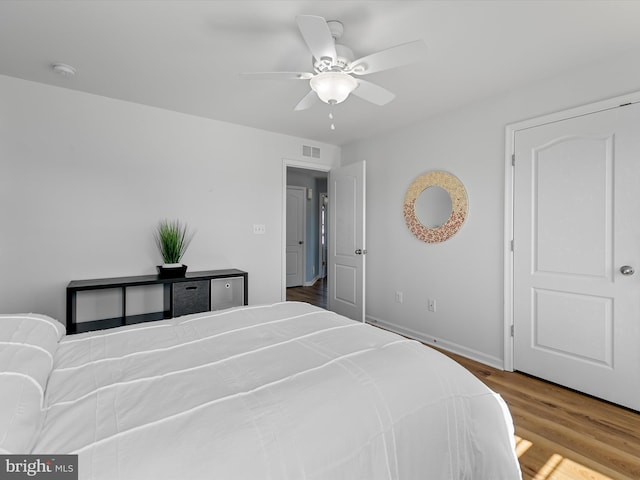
(335, 72)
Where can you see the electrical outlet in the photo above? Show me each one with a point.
(259, 229)
(431, 305)
(399, 297)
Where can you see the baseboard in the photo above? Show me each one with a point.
(437, 342)
(312, 282)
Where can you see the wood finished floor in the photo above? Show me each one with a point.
(560, 434)
(316, 294)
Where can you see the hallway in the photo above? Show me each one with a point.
(315, 294)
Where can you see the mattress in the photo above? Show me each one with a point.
(282, 391)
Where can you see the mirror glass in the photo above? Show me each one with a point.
(433, 206)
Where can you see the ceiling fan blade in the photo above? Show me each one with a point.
(390, 58)
(373, 93)
(308, 101)
(317, 35)
(277, 75)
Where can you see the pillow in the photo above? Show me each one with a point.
(28, 343)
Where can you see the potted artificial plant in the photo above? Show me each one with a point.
(172, 238)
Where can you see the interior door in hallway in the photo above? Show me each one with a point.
(576, 220)
(295, 235)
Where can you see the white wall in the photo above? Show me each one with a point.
(84, 180)
(465, 274)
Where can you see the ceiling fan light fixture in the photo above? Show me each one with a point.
(333, 87)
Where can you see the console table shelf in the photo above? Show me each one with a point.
(193, 293)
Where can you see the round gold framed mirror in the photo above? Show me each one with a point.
(435, 206)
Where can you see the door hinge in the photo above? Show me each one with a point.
(513, 159)
(512, 245)
(512, 329)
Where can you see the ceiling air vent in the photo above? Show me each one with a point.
(313, 152)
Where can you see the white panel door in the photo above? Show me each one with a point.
(295, 235)
(576, 227)
(347, 249)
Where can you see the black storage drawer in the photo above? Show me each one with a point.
(190, 297)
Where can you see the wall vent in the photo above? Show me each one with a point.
(313, 152)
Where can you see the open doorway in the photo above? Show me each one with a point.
(306, 245)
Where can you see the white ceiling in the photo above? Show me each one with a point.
(186, 55)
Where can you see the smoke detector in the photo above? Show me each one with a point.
(64, 69)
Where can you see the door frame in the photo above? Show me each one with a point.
(321, 204)
(283, 244)
(510, 135)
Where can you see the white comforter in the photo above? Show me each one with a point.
(286, 391)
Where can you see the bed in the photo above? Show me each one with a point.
(282, 391)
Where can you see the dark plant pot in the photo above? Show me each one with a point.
(172, 272)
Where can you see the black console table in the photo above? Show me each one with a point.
(193, 293)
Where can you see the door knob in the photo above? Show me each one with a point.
(627, 270)
(361, 252)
